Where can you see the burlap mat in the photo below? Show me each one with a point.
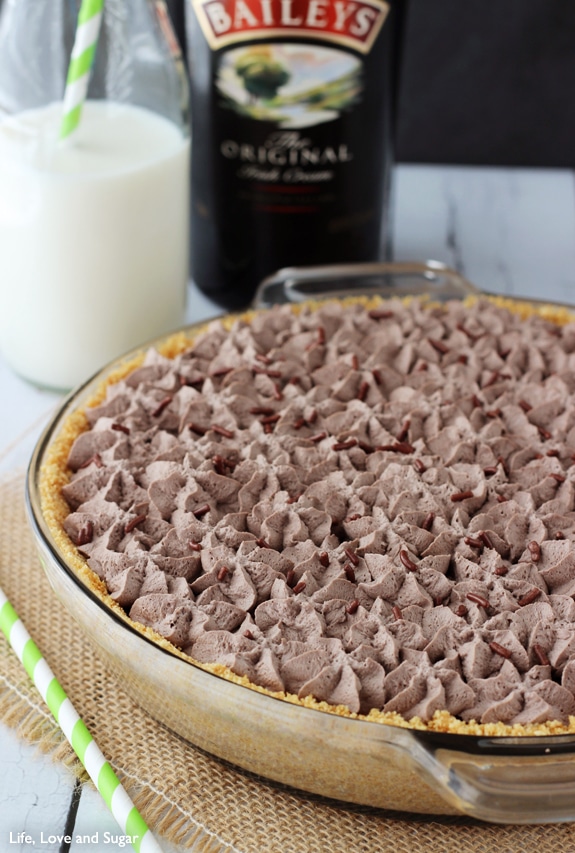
(184, 794)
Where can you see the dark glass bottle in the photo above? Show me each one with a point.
(292, 126)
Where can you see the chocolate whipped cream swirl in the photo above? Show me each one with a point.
(373, 508)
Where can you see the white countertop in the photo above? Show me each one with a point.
(509, 231)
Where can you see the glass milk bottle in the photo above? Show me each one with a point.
(94, 228)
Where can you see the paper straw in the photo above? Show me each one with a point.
(81, 61)
(78, 736)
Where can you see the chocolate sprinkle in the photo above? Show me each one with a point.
(351, 556)
(438, 346)
(265, 371)
(120, 428)
(535, 550)
(461, 496)
(199, 430)
(85, 534)
(499, 649)
(398, 447)
(492, 379)
(130, 525)
(427, 522)
(201, 510)
(379, 314)
(529, 597)
(478, 599)
(407, 561)
(220, 430)
(349, 572)
(262, 410)
(541, 654)
(486, 539)
(404, 431)
(345, 445)
(96, 459)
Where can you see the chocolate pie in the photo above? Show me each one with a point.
(364, 506)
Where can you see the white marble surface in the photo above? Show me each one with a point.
(509, 231)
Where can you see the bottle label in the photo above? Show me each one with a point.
(288, 86)
(351, 23)
(285, 157)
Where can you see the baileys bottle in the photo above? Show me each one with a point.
(292, 124)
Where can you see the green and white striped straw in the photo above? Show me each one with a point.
(81, 61)
(82, 742)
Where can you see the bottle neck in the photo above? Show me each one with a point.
(137, 59)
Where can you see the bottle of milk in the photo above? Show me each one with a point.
(94, 228)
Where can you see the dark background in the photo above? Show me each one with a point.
(484, 82)
(489, 82)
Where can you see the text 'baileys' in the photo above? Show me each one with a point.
(357, 23)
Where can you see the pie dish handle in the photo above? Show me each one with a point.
(521, 780)
(427, 278)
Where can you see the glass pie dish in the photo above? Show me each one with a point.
(501, 779)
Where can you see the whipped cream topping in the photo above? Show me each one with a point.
(373, 508)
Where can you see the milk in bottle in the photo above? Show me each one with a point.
(93, 238)
(94, 215)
